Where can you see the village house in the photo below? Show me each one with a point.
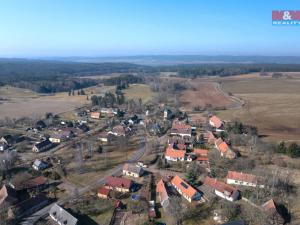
(174, 155)
(132, 170)
(202, 156)
(25, 183)
(39, 165)
(221, 189)
(42, 146)
(119, 184)
(184, 189)
(118, 131)
(244, 179)
(181, 129)
(272, 212)
(28, 206)
(62, 216)
(110, 112)
(162, 194)
(95, 115)
(215, 122)
(224, 149)
(103, 193)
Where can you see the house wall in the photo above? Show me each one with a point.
(128, 173)
(231, 198)
(237, 182)
(174, 159)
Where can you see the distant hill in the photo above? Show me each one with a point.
(187, 59)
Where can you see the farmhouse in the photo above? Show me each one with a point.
(244, 179)
(39, 165)
(184, 189)
(95, 115)
(221, 189)
(109, 111)
(132, 170)
(118, 131)
(119, 184)
(103, 193)
(181, 129)
(162, 194)
(42, 146)
(272, 212)
(224, 149)
(62, 216)
(215, 122)
(174, 155)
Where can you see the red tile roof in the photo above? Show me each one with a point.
(35, 182)
(183, 186)
(240, 176)
(216, 121)
(161, 190)
(202, 159)
(95, 115)
(174, 153)
(118, 182)
(200, 152)
(103, 191)
(218, 185)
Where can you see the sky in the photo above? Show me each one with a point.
(48, 28)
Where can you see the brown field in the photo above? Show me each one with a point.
(22, 102)
(206, 93)
(272, 105)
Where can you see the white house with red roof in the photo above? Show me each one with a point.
(185, 190)
(221, 189)
(174, 155)
(224, 149)
(181, 129)
(244, 179)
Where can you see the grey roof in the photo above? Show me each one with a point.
(61, 215)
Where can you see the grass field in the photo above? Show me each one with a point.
(272, 105)
(137, 91)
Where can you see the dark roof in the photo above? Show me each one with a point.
(8, 195)
(118, 182)
(22, 207)
(43, 144)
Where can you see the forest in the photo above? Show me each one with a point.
(46, 76)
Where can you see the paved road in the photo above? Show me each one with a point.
(44, 211)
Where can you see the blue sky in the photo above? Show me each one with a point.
(32, 28)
